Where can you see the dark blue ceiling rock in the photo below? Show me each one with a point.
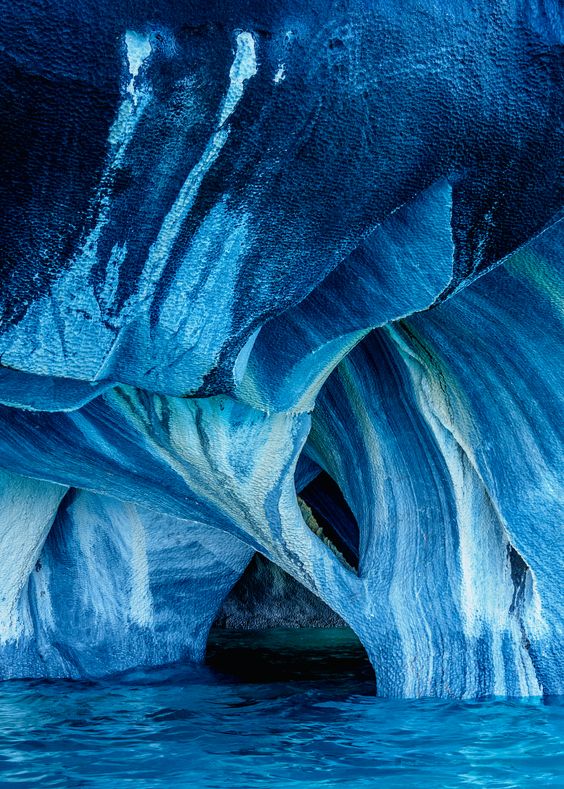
(175, 176)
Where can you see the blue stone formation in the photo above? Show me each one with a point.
(283, 279)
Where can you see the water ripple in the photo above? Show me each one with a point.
(312, 722)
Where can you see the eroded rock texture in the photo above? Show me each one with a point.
(283, 279)
(266, 597)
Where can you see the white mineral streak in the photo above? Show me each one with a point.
(90, 517)
(141, 609)
(486, 587)
(215, 250)
(242, 360)
(58, 327)
(242, 461)
(397, 591)
(110, 576)
(244, 67)
(82, 521)
(28, 508)
(72, 347)
(317, 367)
(138, 50)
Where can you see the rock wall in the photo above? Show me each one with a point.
(266, 597)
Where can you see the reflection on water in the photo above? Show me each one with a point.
(281, 709)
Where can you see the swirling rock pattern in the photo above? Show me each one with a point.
(283, 279)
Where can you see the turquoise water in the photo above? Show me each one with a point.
(278, 709)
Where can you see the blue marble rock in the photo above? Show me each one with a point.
(113, 586)
(283, 279)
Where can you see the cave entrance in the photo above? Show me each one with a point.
(271, 629)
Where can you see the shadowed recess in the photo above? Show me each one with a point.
(305, 655)
(267, 597)
(333, 516)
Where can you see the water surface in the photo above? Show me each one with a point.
(276, 709)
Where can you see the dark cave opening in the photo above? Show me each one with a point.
(334, 516)
(271, 629)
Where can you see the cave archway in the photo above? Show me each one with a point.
(272, 629)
